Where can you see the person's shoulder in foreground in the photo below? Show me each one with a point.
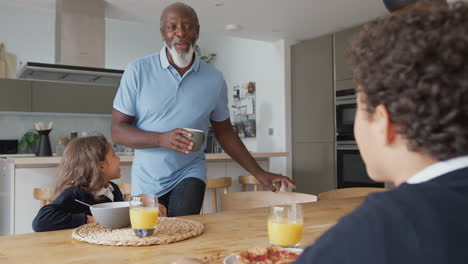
(413, 223)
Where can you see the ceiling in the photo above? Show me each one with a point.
(258, 19)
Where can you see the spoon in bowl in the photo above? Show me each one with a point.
(82, 203)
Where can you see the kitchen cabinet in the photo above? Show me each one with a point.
(342, 41)
(344, 85)
(55, 97)
(72, 98)
(314, 167)
(15, 95)
(313, 131)
(312, 90)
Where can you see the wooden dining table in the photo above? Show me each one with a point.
(226, 233)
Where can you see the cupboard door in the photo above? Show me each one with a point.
(72, 98)
(15, 95)
(314, 167)
(313, 115)
(312, 90)
(342, 41)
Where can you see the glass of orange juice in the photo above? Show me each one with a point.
(144, 211)
(285, 224)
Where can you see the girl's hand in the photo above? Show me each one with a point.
(90, 219)
(162, 210)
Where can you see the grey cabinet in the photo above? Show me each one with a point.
(342, 41)
(72, 98)
(15, 95)
(344, 84)
(313, 115)
(312, 90)
(314, 167)
(55, 97)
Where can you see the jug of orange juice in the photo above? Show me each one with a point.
(144, 211)
(285, 224)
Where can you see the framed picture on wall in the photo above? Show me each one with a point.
(249, 128)
(240, 129)
(244, 109)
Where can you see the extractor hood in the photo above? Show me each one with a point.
(69, 73)
(79, 46)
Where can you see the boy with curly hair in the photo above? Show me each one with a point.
(411, 71)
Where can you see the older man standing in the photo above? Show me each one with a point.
(158, 96)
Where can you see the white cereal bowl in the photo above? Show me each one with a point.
(112, 214)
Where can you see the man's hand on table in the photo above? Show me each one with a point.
(274, 181)
(175, 140)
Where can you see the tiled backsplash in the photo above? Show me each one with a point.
(14, 124)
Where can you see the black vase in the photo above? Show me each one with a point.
(393, 5)
(44, 148)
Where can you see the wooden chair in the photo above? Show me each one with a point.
(250, 180)
(247, 200)
(349, 193)
(126, 190)
(213, 184)
(44, 195)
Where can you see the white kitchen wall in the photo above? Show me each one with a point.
(14, 125)
(126, 41)
(30, 34)
(243, 60)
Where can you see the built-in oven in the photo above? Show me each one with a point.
(350, 168)
(345, 112)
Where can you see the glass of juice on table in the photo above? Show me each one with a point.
(144, 211)
(285, 224)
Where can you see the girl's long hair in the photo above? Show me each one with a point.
(81, 165)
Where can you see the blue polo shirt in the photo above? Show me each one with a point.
(152, 91)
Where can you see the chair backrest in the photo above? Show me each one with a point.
(44, 195)
(349, 192)
(246, 200)
(250, 180)
(213, 184)
(126, 190)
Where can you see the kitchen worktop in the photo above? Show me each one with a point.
(45, 162)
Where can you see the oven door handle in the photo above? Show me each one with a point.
(347, 147)
(347, 101)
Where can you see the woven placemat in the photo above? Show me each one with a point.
(169, 230)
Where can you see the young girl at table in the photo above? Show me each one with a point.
(85, 173)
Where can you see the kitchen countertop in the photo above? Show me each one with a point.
(47, 162)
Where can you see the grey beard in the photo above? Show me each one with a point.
(181, 58)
